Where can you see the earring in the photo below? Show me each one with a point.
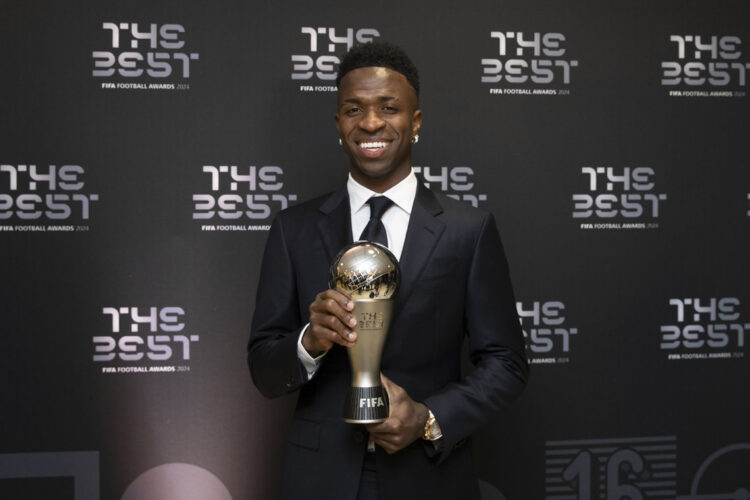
(340, 143)
(415, 139)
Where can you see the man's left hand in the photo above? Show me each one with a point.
(405, 422)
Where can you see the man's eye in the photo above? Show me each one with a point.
(389, 108)
(352, 111)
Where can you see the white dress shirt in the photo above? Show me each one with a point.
(396, 221)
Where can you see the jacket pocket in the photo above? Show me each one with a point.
(305, 434)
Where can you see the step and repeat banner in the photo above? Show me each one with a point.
(145, 148)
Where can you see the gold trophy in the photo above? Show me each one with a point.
(368, 272)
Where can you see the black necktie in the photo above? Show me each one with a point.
(375, 230)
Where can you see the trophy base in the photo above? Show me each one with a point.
(366, 405)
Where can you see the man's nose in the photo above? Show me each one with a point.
(371, 121)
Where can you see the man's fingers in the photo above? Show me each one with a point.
(403, 425)
(343, 308)
(385, 428)
(391, 444)
(341, 298)
(393, 390)
(334, 324)
(331, 320)
(326, 334)
(390, 435)
(335, 304)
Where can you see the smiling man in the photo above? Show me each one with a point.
(378, 120)
(455, 286)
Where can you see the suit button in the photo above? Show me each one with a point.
(359, 437)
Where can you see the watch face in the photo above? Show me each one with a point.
(434, 430)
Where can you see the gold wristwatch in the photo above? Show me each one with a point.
(432, 430)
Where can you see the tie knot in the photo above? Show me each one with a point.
(378, 206)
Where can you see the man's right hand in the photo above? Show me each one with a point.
(331, 322)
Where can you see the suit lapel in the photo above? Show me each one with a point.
(422, 235)
(335, 226)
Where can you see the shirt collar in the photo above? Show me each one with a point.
(402, 194)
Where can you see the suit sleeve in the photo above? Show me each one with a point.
(276, 326)
(496, 346)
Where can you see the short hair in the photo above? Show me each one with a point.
(381, 54)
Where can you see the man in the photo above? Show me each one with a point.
(455, 282)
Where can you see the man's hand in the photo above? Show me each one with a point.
(405, 422)
(331, 322)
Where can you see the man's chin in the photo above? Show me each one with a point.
(373, 170)
(378, 176)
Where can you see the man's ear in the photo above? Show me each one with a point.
(416, 121)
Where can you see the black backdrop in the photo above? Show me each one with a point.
(610, 140)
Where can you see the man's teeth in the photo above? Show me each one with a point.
(372, 145)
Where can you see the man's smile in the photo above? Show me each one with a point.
(373, 149)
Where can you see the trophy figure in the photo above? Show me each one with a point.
(368, 272)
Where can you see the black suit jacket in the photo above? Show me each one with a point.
(455, 283)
